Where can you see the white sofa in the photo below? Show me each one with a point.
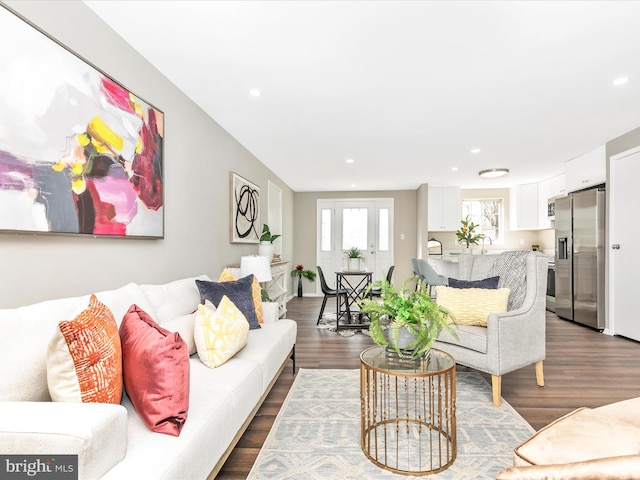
(111, 441)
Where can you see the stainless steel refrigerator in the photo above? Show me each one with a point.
(580, 227)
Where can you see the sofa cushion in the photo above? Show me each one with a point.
(581, 435)
(156, 372)
(219, 332)
(25, 369)
(84, 357)
(227, 276)
(240, 292)
(469, 336)
(472, 306)
(184, 326)
(96, 432)
(173, 299)
(490, 282)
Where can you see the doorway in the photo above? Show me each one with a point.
(624, 197)
(366, 224)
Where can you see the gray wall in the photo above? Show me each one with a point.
(404, 202)
(199, 155)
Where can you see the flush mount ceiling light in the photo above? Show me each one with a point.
(475, 151)
(494, 173)
(620, 81)
(254, 92)
(349, 160)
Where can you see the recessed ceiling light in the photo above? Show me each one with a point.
(494, 173)
(454, 169)
(349, 160)
(475, 150)
(353, 185)
(254, 92)
(620, 81)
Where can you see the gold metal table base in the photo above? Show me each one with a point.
(408, 411)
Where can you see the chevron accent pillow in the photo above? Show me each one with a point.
(472, 306)
(256, 291)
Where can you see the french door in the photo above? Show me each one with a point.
(366, 224)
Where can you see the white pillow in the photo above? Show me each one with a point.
(219, 333)
(184, 325)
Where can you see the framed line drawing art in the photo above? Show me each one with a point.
(79, 153)
(245, 210)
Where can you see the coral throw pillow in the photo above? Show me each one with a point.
(472, 306)
(156, 372)
(84, 358)
(219, 332)
(256, 291)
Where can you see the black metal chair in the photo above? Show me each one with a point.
(377, 291)
(330, 292)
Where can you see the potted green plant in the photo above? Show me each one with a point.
(354, 257)
(535, 247)
(467, 234)
(409, 315)
(266, 246)
(301, 273)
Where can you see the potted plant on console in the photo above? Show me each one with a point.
(266, 246)
(300, 272)
(409, 315)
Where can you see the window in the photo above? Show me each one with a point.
(354, 228)
(487, 213)
(325, 230)
(383, 226)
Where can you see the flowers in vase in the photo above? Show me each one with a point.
(467, 233)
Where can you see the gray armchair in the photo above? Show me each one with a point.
(511, 340)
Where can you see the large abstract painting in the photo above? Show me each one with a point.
(245, 210)
(79, 153)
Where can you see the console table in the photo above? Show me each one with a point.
(408, 411)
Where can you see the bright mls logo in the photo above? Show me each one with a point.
(50, 467)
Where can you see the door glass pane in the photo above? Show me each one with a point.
(383, 228)
(354, 228)
(325, 230)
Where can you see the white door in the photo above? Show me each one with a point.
(366, 224)
(624, 198)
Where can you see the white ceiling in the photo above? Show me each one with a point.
(405, 88)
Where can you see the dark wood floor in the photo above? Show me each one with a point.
(582, 368)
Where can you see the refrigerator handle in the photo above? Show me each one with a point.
(562, 248)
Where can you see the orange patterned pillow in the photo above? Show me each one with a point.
(256, 291)
(84, 358)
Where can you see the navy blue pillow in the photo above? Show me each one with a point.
(240, 292)
(491, 282)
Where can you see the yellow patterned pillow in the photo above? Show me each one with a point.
(472, 306)
(256, 291)
(220, 332)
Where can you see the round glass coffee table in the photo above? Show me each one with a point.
(408, 411)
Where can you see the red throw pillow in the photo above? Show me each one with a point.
(155, 364)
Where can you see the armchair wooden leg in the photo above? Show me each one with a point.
(539, 374)
(496, 387)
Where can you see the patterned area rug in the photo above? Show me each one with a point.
(328, 322)
(317, 432)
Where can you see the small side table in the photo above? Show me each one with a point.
(408, 411)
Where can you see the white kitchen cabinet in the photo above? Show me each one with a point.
(558, 185)
(444, 209)
(523, 207)
(586, 170)
(545, 192)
